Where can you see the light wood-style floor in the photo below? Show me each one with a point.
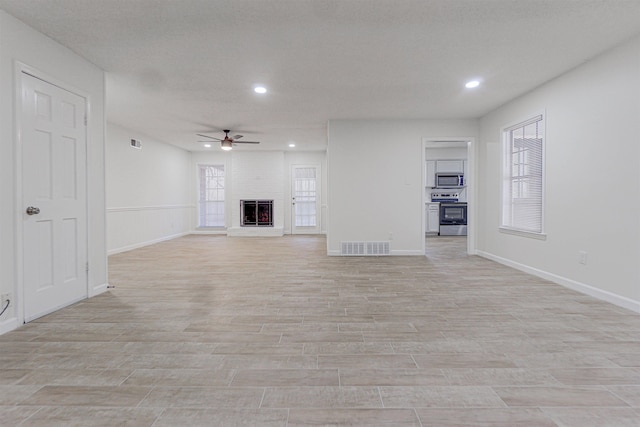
(217, 331)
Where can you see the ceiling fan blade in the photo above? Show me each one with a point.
(246, 142)
(237, 136)
(207, 136)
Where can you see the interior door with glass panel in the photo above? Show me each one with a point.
(305, 200)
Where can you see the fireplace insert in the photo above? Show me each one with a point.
(256, 213)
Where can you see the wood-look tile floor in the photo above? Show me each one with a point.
(217, 331)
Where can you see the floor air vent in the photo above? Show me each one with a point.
(365, 248)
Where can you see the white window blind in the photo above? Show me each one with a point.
(211, 196)
(523, 179)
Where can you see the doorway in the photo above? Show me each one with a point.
(305, 199)
(448, 155)
(52, 167)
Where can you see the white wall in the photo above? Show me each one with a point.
(375, 180)
(21, 44)
(446, 153)
(148, 190)
(592, 192)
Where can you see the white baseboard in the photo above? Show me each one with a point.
(600, 294)
(222, 231)
(309, 233)
(407, 252)
(255, 232)
(143, 244)
(99, 289)
(8, 325)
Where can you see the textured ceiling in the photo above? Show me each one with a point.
(180, 67)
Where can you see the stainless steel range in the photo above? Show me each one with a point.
(453, 214)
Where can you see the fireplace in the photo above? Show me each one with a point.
(256, 213)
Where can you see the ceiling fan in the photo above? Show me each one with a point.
(227, 143)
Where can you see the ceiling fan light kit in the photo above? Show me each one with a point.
(228, 143)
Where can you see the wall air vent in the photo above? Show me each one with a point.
(365, 248)
(135, 143)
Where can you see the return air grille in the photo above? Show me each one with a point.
(365, 248)
(377, 248)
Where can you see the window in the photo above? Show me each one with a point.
(211, 196)
(522, 173)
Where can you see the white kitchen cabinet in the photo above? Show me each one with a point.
(450, 166)
(433, 218)
(430, 174)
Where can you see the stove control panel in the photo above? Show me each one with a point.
(448, 196)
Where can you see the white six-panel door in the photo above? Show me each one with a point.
(54, 196)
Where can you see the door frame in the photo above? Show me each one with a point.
(318, 168)
(21, 68)
(431, 142)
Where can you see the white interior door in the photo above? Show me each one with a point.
(53, 138)
(305, 200)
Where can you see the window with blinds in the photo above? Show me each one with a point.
(523, 176)
(211, 196)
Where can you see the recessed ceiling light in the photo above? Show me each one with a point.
(292, 145)
(207, 145)
(260, 89)
(471, 84)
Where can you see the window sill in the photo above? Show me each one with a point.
(522, 233)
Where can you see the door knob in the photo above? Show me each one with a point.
(33, 211)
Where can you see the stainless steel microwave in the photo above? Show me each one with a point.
(449, 180)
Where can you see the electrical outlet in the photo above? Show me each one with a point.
(582, 257)
(5, 298)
